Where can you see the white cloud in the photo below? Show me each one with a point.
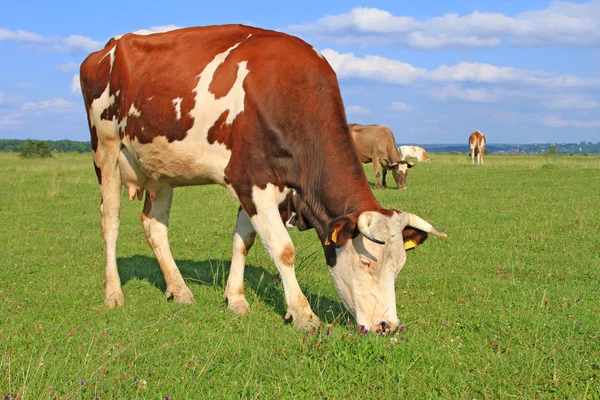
(372, 68)
(455, 92)
(71, 44)
(559, 122)
(81, 43)
(52, 105)
(357, 110)
(571, 102)
(561, 23)
(75, 84)
(21, 36)
(381, 69)
(400, 106)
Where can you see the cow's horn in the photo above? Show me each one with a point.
(420, 223)
(364, 220)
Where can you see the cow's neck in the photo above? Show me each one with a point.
(335, 191)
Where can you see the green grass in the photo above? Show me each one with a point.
(507, 307)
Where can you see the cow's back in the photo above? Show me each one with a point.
(374, 141)
(184, 102)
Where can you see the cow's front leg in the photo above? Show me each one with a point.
(155, 220)
(384, 171)
(269, 226)
(243, 239)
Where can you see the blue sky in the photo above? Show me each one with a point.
(521, 71)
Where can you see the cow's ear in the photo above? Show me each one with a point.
(413, 237)
(340, 230)
(408, 164)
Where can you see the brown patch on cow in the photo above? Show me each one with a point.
(220, 131)
(223, 79)
(98, 173)
(288, 255)
(94, 138)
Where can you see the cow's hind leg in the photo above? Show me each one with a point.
(269, 226)
(106, 163)
(243, 239)
(155, 220)
(377, 167)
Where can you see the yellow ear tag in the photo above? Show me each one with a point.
(334, 236)
(410, 244)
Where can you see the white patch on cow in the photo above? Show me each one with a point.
(134, 112)
(110, 53)
(99, 105)
(403, 168)
(177, 103)
(268, 199)
(201, 161)
(267, 223)
(207, 108)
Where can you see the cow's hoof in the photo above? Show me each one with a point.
(114, 299)
(304, 321)
(239, 307)
(181, 295)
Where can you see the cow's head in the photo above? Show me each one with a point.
(365, 255)
(400, 171)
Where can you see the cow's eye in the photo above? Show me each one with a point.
(365, 261)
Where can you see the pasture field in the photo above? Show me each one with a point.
(508, 306)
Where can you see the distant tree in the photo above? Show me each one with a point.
(35, 148)
(553, 150)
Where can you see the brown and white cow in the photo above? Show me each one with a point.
(477, 144)
(376, 144)
(260, 113)
(413, 151)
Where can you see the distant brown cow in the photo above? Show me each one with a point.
(376, 144)
(477, 143)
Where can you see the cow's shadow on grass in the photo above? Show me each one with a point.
(263, 284)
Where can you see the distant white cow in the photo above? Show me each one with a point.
(413, 151)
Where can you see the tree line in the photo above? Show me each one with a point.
(43, 148)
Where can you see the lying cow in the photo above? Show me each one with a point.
(200, 106)
(376, 144)
(413, 151)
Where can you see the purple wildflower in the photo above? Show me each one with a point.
(167, 398)
(82, 382)
(329, 332)
(401, 329)
(7, 397)
(578, 299)
(136, 379)
(363, 330)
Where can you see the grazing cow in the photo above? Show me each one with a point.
(477, 143)
(413, 151)
(376, 144)
(222, 105)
